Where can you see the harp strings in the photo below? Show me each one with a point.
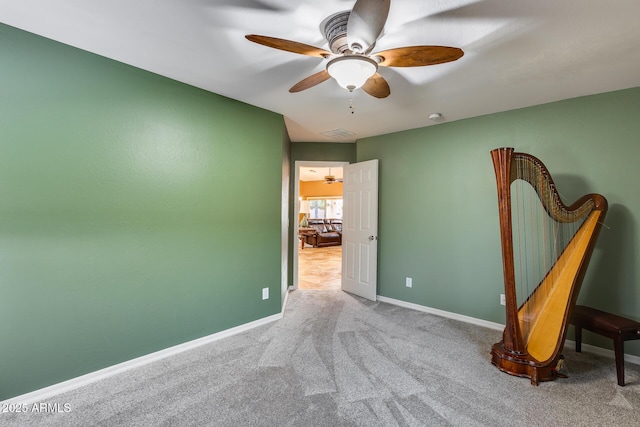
(538, 240)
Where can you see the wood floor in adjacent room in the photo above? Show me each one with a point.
(319, 268)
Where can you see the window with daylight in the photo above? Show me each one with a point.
(327, 208)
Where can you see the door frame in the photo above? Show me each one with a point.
(296, 206)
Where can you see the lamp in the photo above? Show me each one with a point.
(352, 71)
(304, 213)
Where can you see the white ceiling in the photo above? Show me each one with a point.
(318, 173)
(518, 53)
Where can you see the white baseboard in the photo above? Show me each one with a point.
(442, 313)
(56, 389)
(570, 345)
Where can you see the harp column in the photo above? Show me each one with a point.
(512, 339)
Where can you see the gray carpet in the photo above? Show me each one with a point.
(339, 360)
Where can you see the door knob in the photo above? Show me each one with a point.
(372, 238)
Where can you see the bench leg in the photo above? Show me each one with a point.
(618, 344)
(578, 334)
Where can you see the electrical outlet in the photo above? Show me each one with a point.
(409, 282)
(265, 293)
(502, 300)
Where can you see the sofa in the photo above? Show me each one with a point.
(328, 232)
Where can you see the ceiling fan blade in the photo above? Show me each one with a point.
(377, 86)
(418, 56)
(366, 22)
(310, 81)
(288, 45)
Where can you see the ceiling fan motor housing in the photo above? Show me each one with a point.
(335, 31)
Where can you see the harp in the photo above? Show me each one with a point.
(546, 247)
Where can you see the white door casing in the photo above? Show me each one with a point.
(360, 229)
(295, 242)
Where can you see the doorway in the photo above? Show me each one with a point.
(317, 199)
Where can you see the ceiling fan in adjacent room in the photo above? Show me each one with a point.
(352, 36)
(331, 179)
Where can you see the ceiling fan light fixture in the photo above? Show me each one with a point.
(352, 71)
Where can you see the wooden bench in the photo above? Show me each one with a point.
(618, 328)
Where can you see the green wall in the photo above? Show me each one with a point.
(438, 202)
(136, 213)
(322, 152)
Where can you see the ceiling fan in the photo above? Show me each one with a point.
(352, 36)
(331, 179)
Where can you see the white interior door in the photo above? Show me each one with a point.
(360, 229)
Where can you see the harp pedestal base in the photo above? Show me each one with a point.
(521, 365)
